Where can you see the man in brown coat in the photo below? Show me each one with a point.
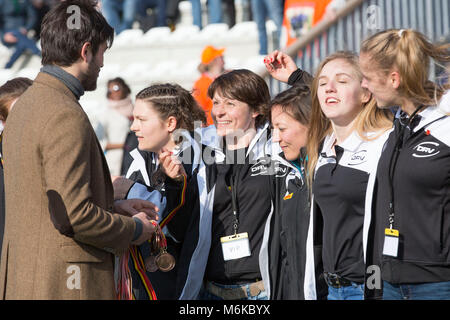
(62, 224)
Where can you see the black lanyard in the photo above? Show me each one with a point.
(233, 185)
(393, 163)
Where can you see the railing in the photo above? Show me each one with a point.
(361, 18)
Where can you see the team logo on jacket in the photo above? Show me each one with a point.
(288, 196)
(426, 150)
(358, 158)
(265, 166)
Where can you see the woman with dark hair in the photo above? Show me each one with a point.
(286, 242)
(222, 248)
(9, 93)
(164, 115)
(221, 224)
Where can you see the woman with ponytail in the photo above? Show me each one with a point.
(411, 188)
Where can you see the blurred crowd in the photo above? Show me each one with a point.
(20, 20)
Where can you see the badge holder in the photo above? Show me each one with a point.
(236, 246)
(391, 240)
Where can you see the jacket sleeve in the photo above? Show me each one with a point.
(299, 77)
(67, 145)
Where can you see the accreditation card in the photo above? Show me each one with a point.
(236, 246)
(391, 237)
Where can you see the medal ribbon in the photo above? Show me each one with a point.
(125, 283)
(169, 217)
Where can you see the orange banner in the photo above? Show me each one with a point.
(299, 17)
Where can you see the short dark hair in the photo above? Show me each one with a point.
(296, 101)
(61, 43)
(10, 91)
(245, 86)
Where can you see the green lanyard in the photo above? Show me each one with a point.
(297, 164)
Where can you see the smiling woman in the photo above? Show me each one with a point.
(290, 116)
(239, 106)
(345, 137)
(238, 196)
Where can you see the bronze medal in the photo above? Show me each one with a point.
(150, 264)
(155, 243)
(165, 261)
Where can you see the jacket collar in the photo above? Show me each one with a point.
(431, 113)
(350, 144)
(59, 84)
(257, 145)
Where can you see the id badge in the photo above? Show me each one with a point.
(391, 237)
(235, 246)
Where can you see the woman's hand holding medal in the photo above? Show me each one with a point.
(171, 165)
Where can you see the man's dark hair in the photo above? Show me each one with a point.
(68, 26)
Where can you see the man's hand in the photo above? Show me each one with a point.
(148, 228)
(280, 65)
(171, 165)
(121, 186)
(132, 207)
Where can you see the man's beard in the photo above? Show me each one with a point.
(89, 79)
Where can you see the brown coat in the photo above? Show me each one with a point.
(59, 200)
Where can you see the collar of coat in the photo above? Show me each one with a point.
(66, 78)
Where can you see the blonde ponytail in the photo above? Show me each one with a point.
(410, 53)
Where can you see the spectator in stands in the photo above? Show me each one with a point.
(262, 9)
(159, 9)
(41, 7)
(9, 93)
(214, 12)
(172, 13)
(16, 19)
(120, 14)
(212, 65)
(197, 13)
(115, 122)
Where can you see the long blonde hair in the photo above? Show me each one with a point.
(370, 119)
(410, 53)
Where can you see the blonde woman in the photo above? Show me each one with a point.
(411, 202)
(345, 137)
